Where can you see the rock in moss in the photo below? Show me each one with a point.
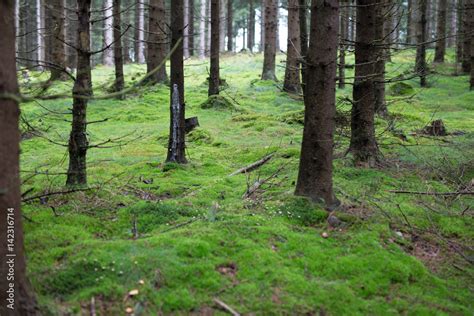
(217, 102)
(401, 89)
(200, 136)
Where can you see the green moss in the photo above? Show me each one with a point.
(218, 102)
(199, 136)
(401, 89)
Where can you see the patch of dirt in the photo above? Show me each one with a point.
(228, 269)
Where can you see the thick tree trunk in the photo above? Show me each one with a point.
(382, 52)
(157, 41)
(176, 144)
(251, 31)
(441, 32)
(343, 30)
(421, 67)
(12, 249)
(215, 30)
(78, 142)
(292, 81)
(468, 29)
(303, 41)
(230, 27)
(315, 170)
(58, 58)
(202, 30)
(108, 55)
(118, 54)
(269, 56)
(363, 144)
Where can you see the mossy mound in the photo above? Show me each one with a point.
(401, 89)
(218, 102)
(200, 136)
(297, 117)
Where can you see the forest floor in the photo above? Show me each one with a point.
(198, 239)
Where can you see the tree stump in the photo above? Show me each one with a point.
(436, 128)
(190, 124)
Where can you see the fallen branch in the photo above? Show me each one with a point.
(39, 196)
(251, 190)
(253, 166)
(226, 307)
(433, 193)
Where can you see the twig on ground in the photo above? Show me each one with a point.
(226, 307)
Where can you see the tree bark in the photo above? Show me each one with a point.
(215, 48)
(202, 30)
(222, 24)
(452, 25)
(468, 29)
(108, 55)
(251, 30)
(421, 67)
(411, 22)
(363, 144)
(78, 142)
(269, 56)
(71, 31)
(230, 27)
(157, 41)
(303, 41)
(191, 28)
(315, 170)
(40, 25)
(58, 56)
(459, 33)
(209, 26)
(441, 32)
(176, 145)
(389, 30)
(381, 53)
(343, 30)
(11, 252)
(262, 26)
(292, 81)
(186, 29)
(118, 54)
(139, 34)
(127, 20)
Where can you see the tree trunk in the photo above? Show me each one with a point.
(202, 30)
(389, 30)
(452, 25)
(271, 13)
(222, 24)
(58, 56)
(78, 142)
(191, 28)
(468, 29)
(209, 26)
(127, 20)
(292, 81)
(139, 34)
(262, 26)
(157, 41)
(186, 29)
(381, 53)
(215, 30)
(176, 144)
(71, 33)
(459, 33)
(343, 30)
(411, 22)
(441, 32)
(40, 25)
(303, 41)
(251, 31)
(230, 27)
(363, 144)
(421, 67)
(11, 251)
(118, 55)
(315, 170)
(108, 55)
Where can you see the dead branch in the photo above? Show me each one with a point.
(39, 196)
(226, 307)
(253, 166)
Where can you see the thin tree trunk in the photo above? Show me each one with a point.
(215, 30)
(157, 41)
(363, 144)
(343, 28)
(459, 33)
(315, 170)
(202, 30)
(176, 145)
(303, 41)
(441, 32)
(118, 54)
(222, 24)
(186, 29)
(71, 34)
(126, 39)
(230, 27)
(468, 29)
(262, 26)
(411, 22)
(452, 24)
(58, 57)
(139, 34)
(40, 31)
(388, 17)
(292, 81)
(421, 67)
(78, 142)
(269, 56)
(108, 55)
(379, 85)
(209, 26)
(12, 251)
(251, 29)
(191, 28)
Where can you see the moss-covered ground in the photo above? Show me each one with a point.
(184, 235)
